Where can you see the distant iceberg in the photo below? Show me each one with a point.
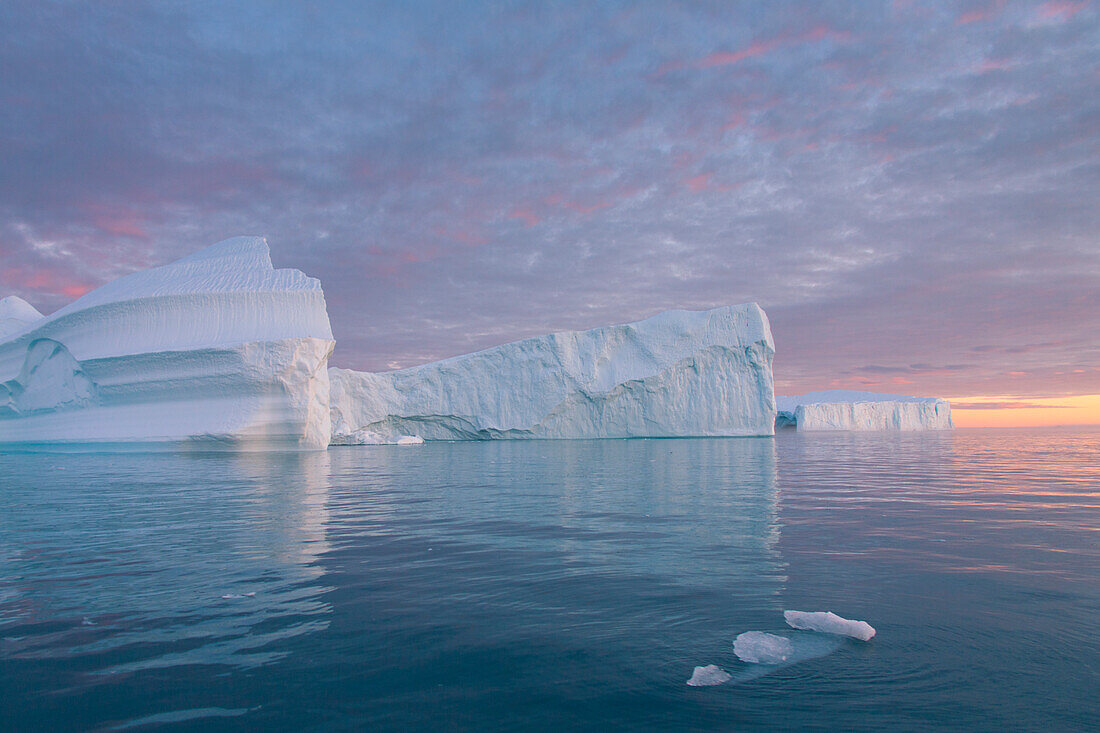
(680, 373)
(828, 622)
(218, 349)
(851, 410)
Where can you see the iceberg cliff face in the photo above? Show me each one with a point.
(680, 373)
(851, 410)
(216, 348)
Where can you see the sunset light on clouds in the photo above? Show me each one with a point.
(909, 189)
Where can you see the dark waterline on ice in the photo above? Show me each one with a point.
(550, 585)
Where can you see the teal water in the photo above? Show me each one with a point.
(553, 585)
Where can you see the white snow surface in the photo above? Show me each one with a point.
(680, 373)
(218, 348)
(853, 410)
(760, 647)
(828, 622)
(16, 315)
(708, 676)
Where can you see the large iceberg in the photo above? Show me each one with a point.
(838, 409)
(216, 349)
(680, 373)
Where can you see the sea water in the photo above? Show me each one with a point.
(555, 585)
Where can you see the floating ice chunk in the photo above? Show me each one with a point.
(230, 596)
(828, 622)
(409, 440)
(759, 647)
(708, 676)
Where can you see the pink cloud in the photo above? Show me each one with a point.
(586, 208)
(75, 291)
(1061, 9)
(120, 225)
(725, 58)
(759, 47)
(994, 65)
(698, 183)
(466, 235)
(736, 120)
(982, 14)
(526, 215)
(44, 280)
(972, 16)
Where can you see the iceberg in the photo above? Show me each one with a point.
(828, 622)
(851, 410)
(708, 676)
(760, 647)
(216, 349)
(677, 374)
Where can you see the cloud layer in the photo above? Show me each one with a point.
(909, 189)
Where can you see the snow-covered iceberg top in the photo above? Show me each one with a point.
(16, 315)
(228, 293)
(838, 409)
(680, 373)
(219, 347)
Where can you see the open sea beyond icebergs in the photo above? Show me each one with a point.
(556, 585)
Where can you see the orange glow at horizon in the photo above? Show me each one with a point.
(1075, 410)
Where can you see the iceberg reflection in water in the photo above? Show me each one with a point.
(431, 573)
(153, 560)
(554, 585)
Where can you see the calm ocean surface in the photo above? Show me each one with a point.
(555, 585)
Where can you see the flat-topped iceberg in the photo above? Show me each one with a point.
(218, 348)
(680, 373)
(838, 409)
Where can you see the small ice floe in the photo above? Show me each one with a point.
(760, 647)
(708, 676)
(828, 622)
(409, 440)
(231, 596)
(87, 622)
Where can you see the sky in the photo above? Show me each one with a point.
(910, 189)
